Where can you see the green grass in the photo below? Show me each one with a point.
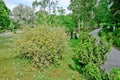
(13, 67)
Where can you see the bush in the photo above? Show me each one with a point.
(92, 72)
(92, 50)
(105, 75)
(117, 41)
(114, 35)
(116, 38)
(44, 45)
(115, 74)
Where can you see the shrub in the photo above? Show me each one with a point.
(115, 74)
(117, 41)
(116, 38)
(114, 35)
(91, 51)
(105, 75)
(92, 72)
(44, 45)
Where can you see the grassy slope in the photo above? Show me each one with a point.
(13, 68)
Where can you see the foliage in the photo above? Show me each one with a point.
(92, 72)
(116, 37)
(68, 21)
(115, 74)
(115, 11)
(22, 15)
(22, 68)
(44, 45)
(46, 5)
(13, 26)
(113, 34)
(117, 41)
(41, 17)
(105, 75)
(102, 13)
(92, 50)
(83, 12)
(110, 20)
(4, 15)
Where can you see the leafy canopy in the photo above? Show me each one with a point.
(4, 15)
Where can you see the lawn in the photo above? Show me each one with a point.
(13, 67)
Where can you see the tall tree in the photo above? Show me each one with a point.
(75, 6)
(23, 14)
(83, 10)
(41, 17)
(115, 11)
(4, 15)
(48, 5)
(102, 13)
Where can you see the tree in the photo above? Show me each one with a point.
(41, 17)
(75, 7)
(83, 11)
(69, 22)
(115, 11)
(4, 15)
(46, 5)
(102, 13)
(23, 15)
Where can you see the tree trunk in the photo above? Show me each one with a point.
(78, 25)
(85, 15)
(71, 34)
(49, 6)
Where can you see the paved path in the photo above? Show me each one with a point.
(113, 58)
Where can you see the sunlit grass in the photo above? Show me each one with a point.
(11, 67)
(14, 68)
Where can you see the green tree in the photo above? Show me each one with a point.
(102, 13)
(48, 5)
(44, 16)
(4, 15)
(69, 23)
(41, 17)
(115, 11)
(83, 11)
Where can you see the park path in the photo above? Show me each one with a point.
(113, 58)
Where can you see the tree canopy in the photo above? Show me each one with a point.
(115, 11)
(4, 15)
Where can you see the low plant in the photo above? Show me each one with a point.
(92, 72)
(44, 45)
(92, 50)
(114, 74)
(111, 35)
(116, 38)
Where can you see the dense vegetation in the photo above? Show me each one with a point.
(52, 45)
(45, 45)
(4, 16)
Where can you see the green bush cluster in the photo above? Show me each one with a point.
(114, 35)
(114, 74)
(44, 45)
(92, 50)
(117, 41)
(92, 72)
(91, 53)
